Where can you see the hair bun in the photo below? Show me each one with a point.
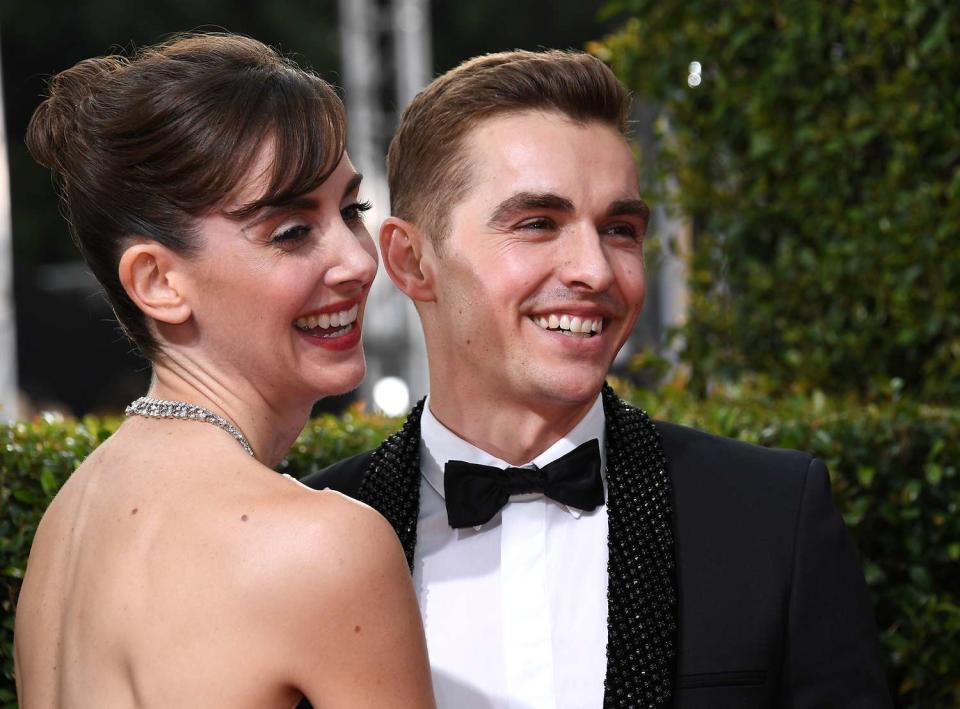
(53, 130)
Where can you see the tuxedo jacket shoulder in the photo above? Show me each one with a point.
(343, 476)
(772, 595)
(773, 608)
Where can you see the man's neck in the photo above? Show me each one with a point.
(513, 431)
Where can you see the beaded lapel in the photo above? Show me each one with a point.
(642, 590)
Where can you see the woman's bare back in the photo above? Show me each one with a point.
(172, 580)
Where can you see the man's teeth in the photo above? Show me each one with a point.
(570, 324)
(328, 320)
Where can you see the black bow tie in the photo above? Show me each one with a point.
(475, 493)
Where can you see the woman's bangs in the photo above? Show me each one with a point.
(309, 137)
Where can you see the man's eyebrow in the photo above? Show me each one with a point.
(524, 201)
(627, 207)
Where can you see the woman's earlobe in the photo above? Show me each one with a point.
(149, 274)
(405, 253)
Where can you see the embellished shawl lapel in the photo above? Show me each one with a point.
(641, 570)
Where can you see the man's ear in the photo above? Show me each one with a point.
(151, 277)
(407, 257)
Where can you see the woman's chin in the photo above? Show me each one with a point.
(340, 379)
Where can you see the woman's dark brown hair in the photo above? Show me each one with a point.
(146, 144)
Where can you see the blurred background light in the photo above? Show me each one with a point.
(391, 396)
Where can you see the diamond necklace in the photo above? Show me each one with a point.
(166, 409)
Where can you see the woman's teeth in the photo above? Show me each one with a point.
(570, 324)
(336, 323)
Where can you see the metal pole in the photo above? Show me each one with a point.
(384, 335)
(8, 331)
(413, 63)
(393, 339)
(674, 287)
(357, 25)
(412, 50)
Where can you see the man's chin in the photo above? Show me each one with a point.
(570, 388)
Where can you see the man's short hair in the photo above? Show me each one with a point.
(427, 169)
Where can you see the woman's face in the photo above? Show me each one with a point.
(278, 297)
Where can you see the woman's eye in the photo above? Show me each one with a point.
(291, 235)
(354, 212)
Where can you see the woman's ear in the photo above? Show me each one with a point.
(407, 258)
(150, 275)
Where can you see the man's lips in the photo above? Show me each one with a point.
(568, 324)
(583, 319)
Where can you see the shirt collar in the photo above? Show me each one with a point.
(438, 444)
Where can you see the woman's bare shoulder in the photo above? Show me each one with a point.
(320, 539)
(353, 629)
(346, 534)
(335, 561)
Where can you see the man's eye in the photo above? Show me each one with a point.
(538, 224)
(354, 212)
(291, 235)
(624, 229)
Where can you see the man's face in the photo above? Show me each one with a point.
(540, 278)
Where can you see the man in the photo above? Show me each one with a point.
(663, 566)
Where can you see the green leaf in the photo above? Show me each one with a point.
(28, 497)
(921, 577)
(49, 482)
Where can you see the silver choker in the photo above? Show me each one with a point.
(164, 409)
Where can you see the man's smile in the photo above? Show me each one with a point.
(572, 325)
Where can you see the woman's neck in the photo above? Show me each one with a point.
(269, 427)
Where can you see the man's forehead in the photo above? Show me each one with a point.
(535, 152)
(528, 130)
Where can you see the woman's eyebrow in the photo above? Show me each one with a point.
(267, 212)
(353, 184)
(299, 202)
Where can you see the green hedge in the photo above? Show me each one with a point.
(818, 160)
(895, 476)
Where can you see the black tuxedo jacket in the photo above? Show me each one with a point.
(773, 610)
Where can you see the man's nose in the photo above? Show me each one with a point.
(585, 263)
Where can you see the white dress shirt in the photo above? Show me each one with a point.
(515, 611)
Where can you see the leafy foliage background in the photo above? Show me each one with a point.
(819, 162)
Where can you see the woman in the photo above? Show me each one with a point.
(207, 186)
